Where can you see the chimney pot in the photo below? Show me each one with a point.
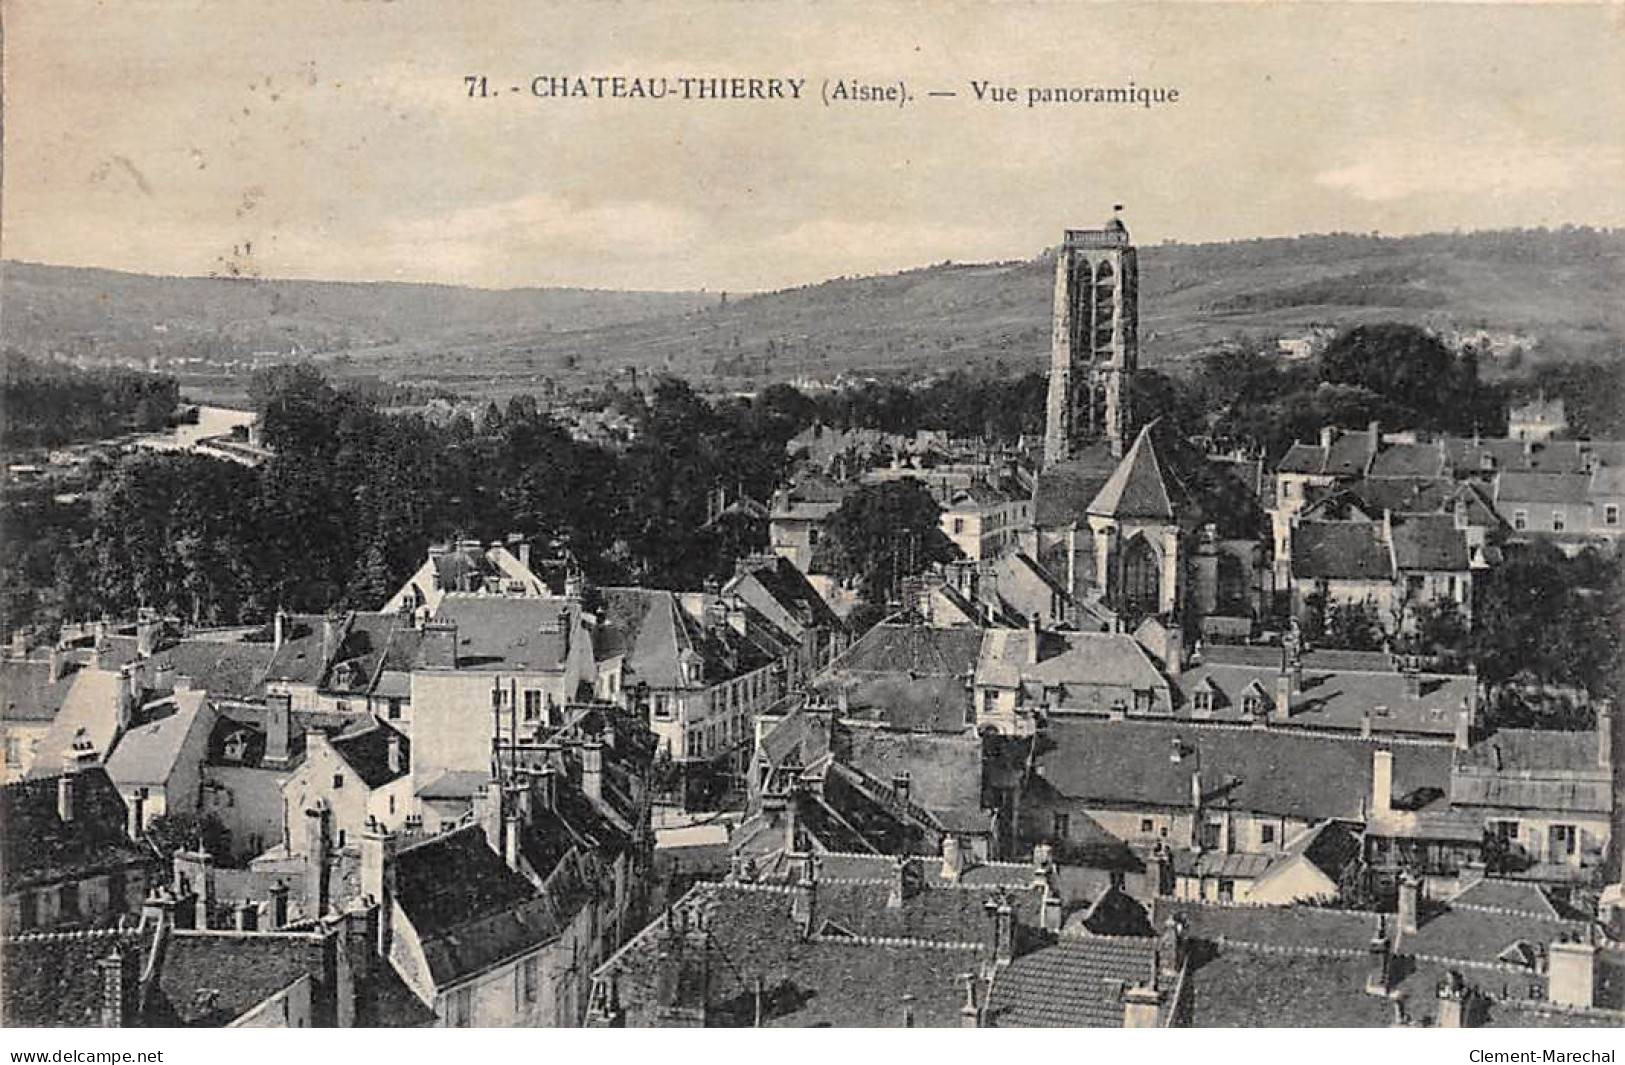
(65, 798)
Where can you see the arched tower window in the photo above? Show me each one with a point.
(1104, 294)
(1142, 577)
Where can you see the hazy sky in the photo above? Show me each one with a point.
(338, 140)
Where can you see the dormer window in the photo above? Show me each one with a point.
(1202, 701)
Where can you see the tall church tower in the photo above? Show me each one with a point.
(1095, 342)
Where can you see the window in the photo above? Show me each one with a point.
(341, 837)
(1142, 701)
(394, 709)
(528, 980)
(1062, 825)
(533, 704)
(1147, 825)
(1505, 831)
(1266, 833)
(1202, 700)
(1563, 841)
(68, 906)
(460, 1008)
(1210, 835)
(959, 526)
(1227, 891)
(14, 751)
(1520, 519)
(392, 806)
(338, 781)
(1557, 521)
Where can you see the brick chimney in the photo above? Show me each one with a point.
(116, 992)
(438, 649)
(378, 847)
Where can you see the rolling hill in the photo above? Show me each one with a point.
(1549, 294)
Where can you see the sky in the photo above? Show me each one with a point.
(338, 140)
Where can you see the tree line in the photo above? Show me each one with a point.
(45, 404)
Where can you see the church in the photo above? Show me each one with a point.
(1132, 517)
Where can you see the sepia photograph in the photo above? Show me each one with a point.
(724, 514)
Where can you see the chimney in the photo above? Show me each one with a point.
(1004, 928)
(1142, 1008)
(968, 1017)
(438, 649)
(1413, 680)
(1171, 947)
(592, 770)
(1283, 696)
(1365, 724)
(114, 992)
(1159, 870)
(908, 1011)
(65, 799)
(1380, 979)
(1051, 915)
(524, 553)
(137, 808)
(360, 950)
(279, 629)
(843, 699)
(279, 905)
(397, 764)
(243, 916)
(194, 873)
(1382, 782)
(57, 662)
(1464, 729)
(1571, 974)
(378, 879)
(1453, 998)
(1326, 437)
(792, 832)
(1605, 733)
(487, 811)
(953, 859)
(316, 872)
(803, 898)
(1375, 432)
(1033, 636)
(1410, 902)
(278, 723)
(900, 783)
(545, 781)
(899, 883)
(181, 683)
(1173, 658)
(146, 634)
(510, 838)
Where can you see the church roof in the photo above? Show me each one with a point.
(1137, 488)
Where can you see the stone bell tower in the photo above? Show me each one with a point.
(1095, 342)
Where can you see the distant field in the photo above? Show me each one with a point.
(1556, 290)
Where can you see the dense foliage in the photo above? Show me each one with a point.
(883, 534)
(44, 404)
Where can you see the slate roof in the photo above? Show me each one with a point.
(39, 848)
(365, 748)
(1429, 542)
(1533, 769)
(1063, 492)
(1409, 460)
(654, 632)
(209, 979)
(52, 980)
(222, 668)
(1137, 487)
(1077, 983)
(468, 908)
(508, 632)
(828, 980)
(1544, 750)
(938, 704)
(902, 648)
(1114, 659)
(1340, 550)
(304, 655)
(1297, 926)
(147, 754)
(27, 692)
(1481, 936)
(1284, 772)
(89, 717)
(1333, 698)
(780, 578)
(1558, 488)
(944, 771)
(1241, 988)
(1495, 893)
(1329, 847)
